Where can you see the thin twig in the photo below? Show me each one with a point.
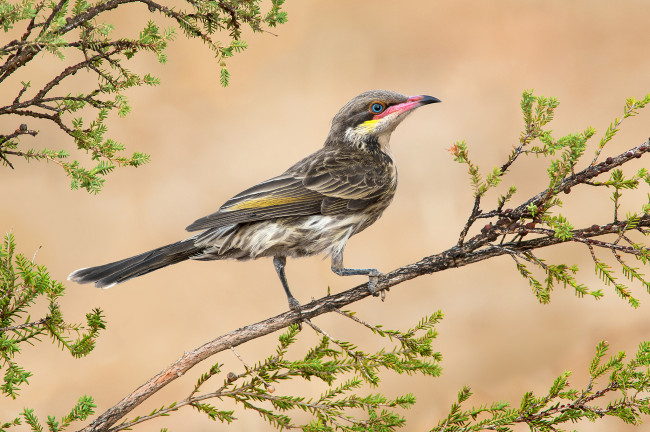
(22, 326)
(472, 218)
(34, 155)
(249, 368)
(35, 252)
(55, 11)
(600, 149)
(357, 358)
(368, 325)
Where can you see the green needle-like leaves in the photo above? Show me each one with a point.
(73, 32)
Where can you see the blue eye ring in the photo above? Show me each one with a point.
(377, 107)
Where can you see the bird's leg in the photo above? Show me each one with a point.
(339, 269)
(279, 262)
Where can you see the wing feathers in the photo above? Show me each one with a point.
(222, 218)
(324, 183)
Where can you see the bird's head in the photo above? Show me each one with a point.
(368, 120)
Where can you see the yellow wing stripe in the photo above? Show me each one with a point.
(266, 202)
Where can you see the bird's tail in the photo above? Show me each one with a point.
(107, 275)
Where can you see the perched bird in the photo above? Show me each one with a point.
(314, 207)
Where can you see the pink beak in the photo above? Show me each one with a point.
(411, 103)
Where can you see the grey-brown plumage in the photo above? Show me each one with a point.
(312, 208)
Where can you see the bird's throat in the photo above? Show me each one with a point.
(364, 137)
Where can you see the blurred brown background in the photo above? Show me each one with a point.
(208, 143)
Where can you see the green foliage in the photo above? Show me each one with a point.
(554, 274)
(72, 31)
(561, 227)
(539, 215)
(631, 109)
(22, 284)
(563, 405)
(342, 365)
(538, 111)
(84, 408)
(503, 199)
(461, 155)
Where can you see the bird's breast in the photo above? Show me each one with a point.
(292, 236)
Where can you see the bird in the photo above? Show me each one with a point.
(312, 208)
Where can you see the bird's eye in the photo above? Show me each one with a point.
(377, 107)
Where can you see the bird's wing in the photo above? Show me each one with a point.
(350, 181)
(324, 184)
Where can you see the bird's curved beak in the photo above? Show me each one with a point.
(410, 104)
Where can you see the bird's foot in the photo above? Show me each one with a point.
(294, 305)
(373, 278)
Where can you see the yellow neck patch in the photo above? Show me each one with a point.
(367, 126)
(358, 134)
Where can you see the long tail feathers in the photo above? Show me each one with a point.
(107, 275)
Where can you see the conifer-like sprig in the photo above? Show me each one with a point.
(84, 408)
(344, 366)
(538, 217)
(64, 28)
(623, 394)
(22, 282)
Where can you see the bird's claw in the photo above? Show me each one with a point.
(294, 305)
(373, 278)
